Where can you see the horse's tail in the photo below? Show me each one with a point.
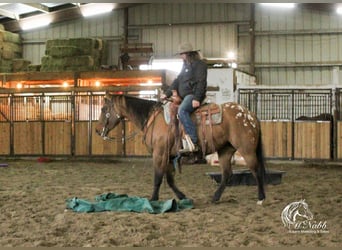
(260, 156)
(261, 172)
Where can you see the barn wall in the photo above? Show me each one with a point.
(216, 35)
(292, 47)
(297, 46)
(108, 27)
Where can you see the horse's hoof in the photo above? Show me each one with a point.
(215, 201)
(259, 202)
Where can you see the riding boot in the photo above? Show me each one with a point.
(188, 145)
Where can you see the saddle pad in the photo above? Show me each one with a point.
(215, 111)
(167, 116)
(212, 109)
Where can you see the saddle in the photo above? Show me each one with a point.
(207, 114)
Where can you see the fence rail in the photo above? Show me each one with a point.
(46, 123)
(60, 124)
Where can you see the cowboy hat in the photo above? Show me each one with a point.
(185, 48)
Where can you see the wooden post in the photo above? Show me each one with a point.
(252, 39)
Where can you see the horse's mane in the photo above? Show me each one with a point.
(139, 108)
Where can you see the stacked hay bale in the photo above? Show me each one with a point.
(11, 51)
(74, 54)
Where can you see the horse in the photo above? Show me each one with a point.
(320, 117)
(294, 212)
(238, 130)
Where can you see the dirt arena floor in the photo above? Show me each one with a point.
(33, 206)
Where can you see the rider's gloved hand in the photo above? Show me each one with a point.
(163, 97)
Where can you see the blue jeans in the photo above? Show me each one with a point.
(184, 111)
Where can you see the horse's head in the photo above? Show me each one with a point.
(303, 210)
(296, 211)
(109, 118)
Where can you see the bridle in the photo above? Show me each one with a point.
(105, 128)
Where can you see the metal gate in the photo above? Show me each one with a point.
(292, 123)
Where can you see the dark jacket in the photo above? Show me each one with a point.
(191, 80)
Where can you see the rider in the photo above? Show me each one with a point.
(191, 86)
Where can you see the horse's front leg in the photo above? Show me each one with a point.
(171, 182)
(159, 171)
(158, 179)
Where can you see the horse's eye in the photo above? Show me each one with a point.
(103, 110)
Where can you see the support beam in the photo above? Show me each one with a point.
(39, 7)
(9, 14)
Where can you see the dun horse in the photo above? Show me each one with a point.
(239, 130)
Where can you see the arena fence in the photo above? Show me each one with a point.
(63, 124)
(296, 123)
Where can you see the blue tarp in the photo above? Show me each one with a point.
(123, 202)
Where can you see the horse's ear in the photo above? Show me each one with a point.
(108, 97)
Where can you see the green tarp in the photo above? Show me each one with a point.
(123, 202)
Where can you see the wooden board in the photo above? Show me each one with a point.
(339, 140)
(277, 138)
(101, 147)
(57, 138)
(5, 138)
(81, 138)
(27, 138)
(312, 140)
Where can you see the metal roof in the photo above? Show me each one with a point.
(12, 13)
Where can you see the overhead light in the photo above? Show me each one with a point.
(231, 55)
(169, 64)
(280, 5)
(339, 10)
(234, 65)
(35, 22)
(88, 10)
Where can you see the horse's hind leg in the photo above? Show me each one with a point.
(225, 156)
(171, 182)
(258, 172)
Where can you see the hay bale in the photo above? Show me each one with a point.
(66, 54)
(34, 67)
(9, 46)
(5, 66)
(9, 54)
(7, 36)
(56, 42)
(63, 51)
(50, 63)
(20, 65)
(87, 45)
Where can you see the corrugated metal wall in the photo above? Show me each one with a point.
(297, 46)
(292, 47)
(108, 27)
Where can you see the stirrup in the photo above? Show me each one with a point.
(188, 145)
(188, 150)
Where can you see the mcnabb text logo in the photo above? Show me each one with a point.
(298, 218)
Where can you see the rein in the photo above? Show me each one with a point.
(105, 131)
